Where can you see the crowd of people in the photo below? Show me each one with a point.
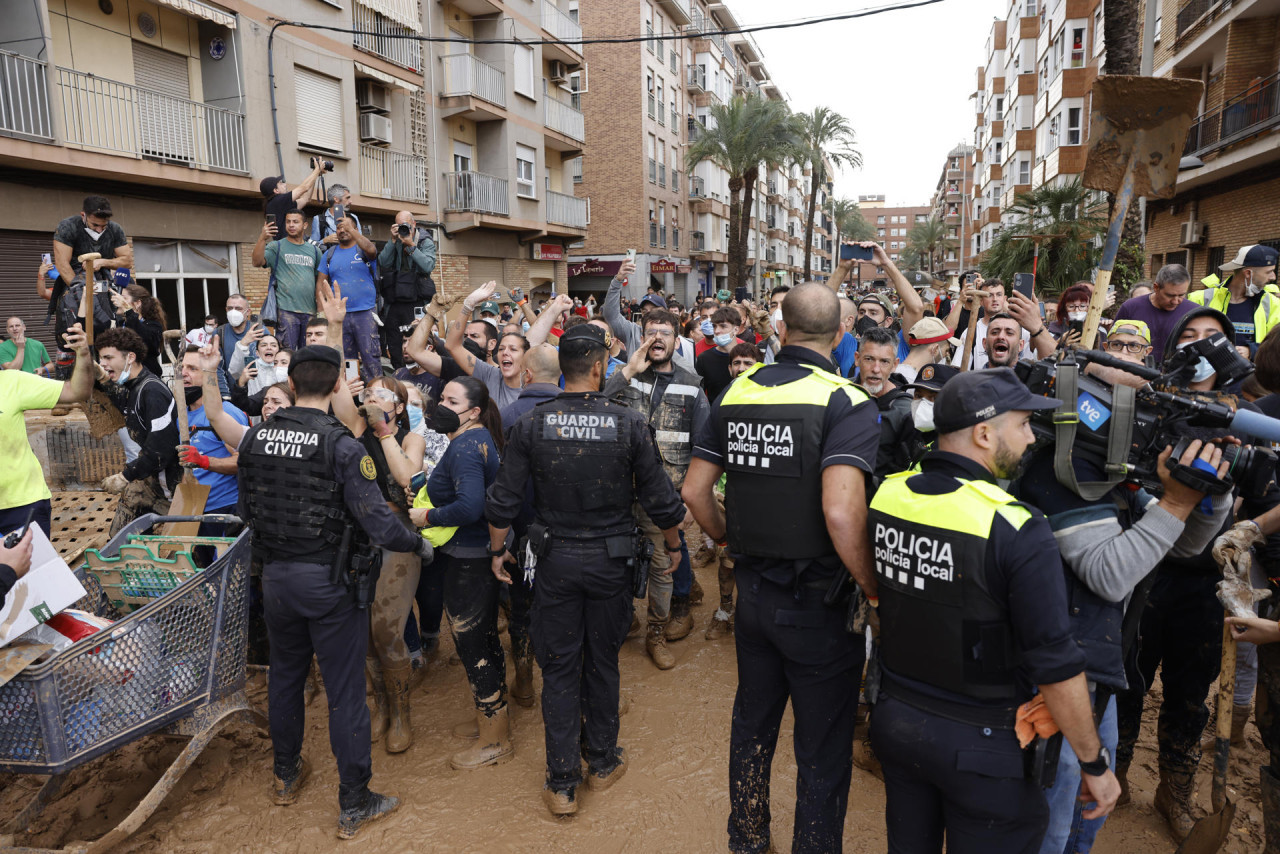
(936, 572)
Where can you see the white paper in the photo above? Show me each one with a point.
(49, 587)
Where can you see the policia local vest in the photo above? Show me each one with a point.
(1265, 317)
(771, 437)
(671, 416)
(938, 624)
(289, 491)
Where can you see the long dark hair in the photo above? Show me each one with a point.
(478, 395)
(151, 308)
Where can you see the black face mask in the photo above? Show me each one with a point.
(193, 394)
(444, 420)
(475, 349)
(864, 323)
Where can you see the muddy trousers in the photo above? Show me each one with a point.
(307, 615)
(392, 604)
(581, 611)
(660, 581)
(471, 606)
(1181, 633)
(943, 778)
(792, 646)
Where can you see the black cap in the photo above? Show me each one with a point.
(268, 185)
(978, 396)
(315, 353)
(585, 333)
(934, 377)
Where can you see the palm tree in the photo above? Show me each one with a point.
(929, 240)
(824, 135)
(850, 223)
(737, 137)
(1075, 219)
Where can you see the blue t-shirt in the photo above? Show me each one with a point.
(848, 350)
(222, 487)
(347, 268)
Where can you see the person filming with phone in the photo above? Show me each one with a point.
(405, 264)
(352, 266)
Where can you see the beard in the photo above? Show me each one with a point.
(1002, 358)
(1005, 464)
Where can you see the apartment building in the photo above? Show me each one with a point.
(169, 109)
(892, 224)
(645, 102)
(1226, 191)
(953, 204)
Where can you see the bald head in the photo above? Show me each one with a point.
(405, 218)
(543, 364)
(811, 313)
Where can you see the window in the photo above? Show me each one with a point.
(319, 103)
(879, 220)
(661, 45)
(662, 108)
(526, 162)
(649, 87)
(1024, 171)
(461, 156)
(1054, 131)
(524, 71)
(999, 107)
(1057, 53)
(880, 231)
(1077, 47)
(1073, 125)
(648, 31)
(653, 159)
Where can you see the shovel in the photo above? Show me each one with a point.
(1208, 834)
(190, 496)
(1137, 130)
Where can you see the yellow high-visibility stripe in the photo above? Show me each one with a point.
(969, 510)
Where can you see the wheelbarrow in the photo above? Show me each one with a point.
(174, 666)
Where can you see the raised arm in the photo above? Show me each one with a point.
(453, 343)
(541, 327)
(366, 245)
(302, 192)
(421, 337)
(521, 302)
(228, 429)
(267, 234)
(911, 306)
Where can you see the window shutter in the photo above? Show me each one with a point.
(319, 108)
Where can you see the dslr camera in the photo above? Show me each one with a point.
(404, 229)
(328, 164)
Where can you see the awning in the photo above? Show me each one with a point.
(401, 11)
(196, 9)
(389, 79)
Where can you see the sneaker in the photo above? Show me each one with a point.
(721, 625)
(376, 806)
(561, 802)
(285, 792)
(598, 782)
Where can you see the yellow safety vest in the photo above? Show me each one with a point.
(1265, 317)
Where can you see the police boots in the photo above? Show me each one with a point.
(863, 756)
(655, 644)
(1271, 810)
(399, 730)
(1173, 801)
(493, 747)
(681, 621)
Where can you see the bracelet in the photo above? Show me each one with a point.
(498, 552)
(1036, 334)
(673, 549)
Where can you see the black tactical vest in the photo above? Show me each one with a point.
(670, 416)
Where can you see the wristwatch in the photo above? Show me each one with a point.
(499, 553)
(1099, 766)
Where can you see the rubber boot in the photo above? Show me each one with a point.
(380, 714)
(1271, 810)
(418, 672)
(561, 802)
(1173, 801)
(493, 746)
(399, 730)
(863, 756)
(721, 623)
(681, 621)
(1122, 776)
(351, 820)
(634, 630)
(466, 729)
(695, 593)
(1239, 717)
(522, 689)
(655, 644)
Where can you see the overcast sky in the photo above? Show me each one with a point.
(903, 79)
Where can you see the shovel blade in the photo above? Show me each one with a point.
(188, 500)
(1208, 834)
(1139, 123)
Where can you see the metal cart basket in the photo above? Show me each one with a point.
(175, 666)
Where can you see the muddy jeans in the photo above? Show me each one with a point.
(360, 340)
(660, 582)
(471, 606)
(291, 329)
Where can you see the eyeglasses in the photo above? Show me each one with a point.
(1134, 347)
(386, 394)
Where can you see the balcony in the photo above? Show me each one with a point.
(697, 20)
(387, 38)
(653, 234)
(697, 79)
(697, 188)
(1249, 113)
(675, 180)
(467, 76)
(564, 118)
(476, 192)
(662, 175)
(697, 243)
(564, 28)
(564, 209)
(677, 9)
(117, 118)
(653, 171)
(695, 129)
(1193, 11)
(24, 98)
(393, 175)
(675, 237)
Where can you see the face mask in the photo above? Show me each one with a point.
(776, 317)
(922, 414)
(211, 328)
(235, 317)
(476, 350)
(708, 329)
(524, 324)
(1250, 289)
(723, 340)
(94, 235)
(864, 323)
(193, 394)
(444, 420)
(1075, 316)
(124, 375)
(1203, 370)
(415, 417)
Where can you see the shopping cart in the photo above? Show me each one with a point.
(175, 666)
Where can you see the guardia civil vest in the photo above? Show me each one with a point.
(671, 416)
(288, 491)
(938, 624)
(580, 462)
(771, 437)
(1265, 317)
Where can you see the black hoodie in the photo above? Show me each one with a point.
(1171, 344)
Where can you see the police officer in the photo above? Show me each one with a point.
(799, 444)
(583, 453)
(304, 484)
(973, 615)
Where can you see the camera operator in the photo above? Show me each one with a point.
(279, 199)
(324, 226)
(405, 264)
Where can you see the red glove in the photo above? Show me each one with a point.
(191, 458)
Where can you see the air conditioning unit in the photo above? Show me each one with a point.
(375, 128)
(1192, 233)
(372, 96)
(559, 73)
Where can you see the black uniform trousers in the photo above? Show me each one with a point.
(395, 315)
(952, 779)
(580, 616)
(791, 645)
(307, 614)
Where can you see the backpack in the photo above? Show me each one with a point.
(406, 286)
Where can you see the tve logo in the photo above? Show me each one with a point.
(1091, 411)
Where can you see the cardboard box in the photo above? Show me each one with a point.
(49, 587)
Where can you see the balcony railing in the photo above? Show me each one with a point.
(662, 237)
(563, 118)
(103, 114)
(675, 116)
(653, 171)
(662, 174)
(1192, 11)
(476, 192)
(697, 188)
(561, 25)
(653, 234)
(675, 237)
(1243, 116)
(674, 58)
(697, 78)
(699, 20)
(393, 174)
(653, 103)
(388, 41)
(695, 129)
(675, 180)
(662, 114)
(24, 98)
(566, 210)
(697, 242)
(464, 74)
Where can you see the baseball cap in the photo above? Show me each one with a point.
(929, 330)
(655, 300)
(1131, 327)
(489, 306)
(315, 353)
(586, 336)
(268, 185)
(934, 377)
(978, 396)
(1256, 255)
(883, 302)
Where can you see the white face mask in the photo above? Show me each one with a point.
(1076, 316)
(93, 235)
(235, 317)
(1250, 289)
(776, 318)
(1203, 369)
(211, 328)
(922, 414)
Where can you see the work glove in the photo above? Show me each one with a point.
(115, 484)
(425, 550)
(191, 458)
(762, 323)
(376, 418)
(1241, 537)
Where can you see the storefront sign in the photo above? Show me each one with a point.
(662, 265)
(594, 267)
(683, 268)
(548, 252)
